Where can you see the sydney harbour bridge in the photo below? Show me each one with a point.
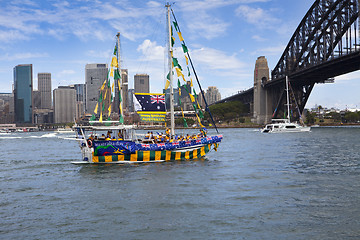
(326, 44)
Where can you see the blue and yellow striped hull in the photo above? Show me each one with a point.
(148, 156)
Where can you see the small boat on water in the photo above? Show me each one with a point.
(65, 130)
(109, 141)
(285, 125)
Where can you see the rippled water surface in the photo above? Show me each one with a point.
(256, 186)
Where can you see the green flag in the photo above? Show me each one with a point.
(115, 50)
(184, 48)
(201, 115)
(120, 99)
(121, 119)
(117, 74)
(195, 94)
(179, 85)
(103, 107)
(100, 98)
(185, 123)
(175, 61)
(176, 26)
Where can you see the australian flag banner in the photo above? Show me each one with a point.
(150, 106)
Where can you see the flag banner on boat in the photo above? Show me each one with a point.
(150, 106)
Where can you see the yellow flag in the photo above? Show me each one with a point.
(102, 87)
(119, 86)
(167, 84)
(105, 94)
(182, 112)
(111, 72)
(199, 121)
(191, 84)
(187, 60)
(112, 87)
(121, 111)
(192, 97)
(183, 77)
(109, 109)
(114, 62)
(100, 119)
(96, 108)
(180, 37)
(179, 73)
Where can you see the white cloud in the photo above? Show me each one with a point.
(151, 51)
(270, 51)
(257, 16)
(216, 59)
(22, 56)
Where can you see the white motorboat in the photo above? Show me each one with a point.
(285, 125)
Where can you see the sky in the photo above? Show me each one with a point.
(224, 38)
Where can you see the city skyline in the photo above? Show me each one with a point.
(224, 39)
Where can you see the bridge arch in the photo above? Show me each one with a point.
(329, 30)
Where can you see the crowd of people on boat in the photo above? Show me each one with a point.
(150, 137)
(163, 138)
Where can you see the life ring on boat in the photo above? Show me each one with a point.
(89, 142)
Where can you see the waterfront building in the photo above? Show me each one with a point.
(44, 87)
(212, 95)
(167, 98)
(36, 95)
(130, 100)
(23, 86)
(186, 103)
(95, 75)
(201, 99)
(64, 104)
(6, 108)
(141, 83)
(80, 90)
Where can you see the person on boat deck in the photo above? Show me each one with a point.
(167, 132)
(151, 135)
(102, 137)
(120, 136)
(113, 139)
(147, 136)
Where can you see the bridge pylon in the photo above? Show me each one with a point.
(262, 104)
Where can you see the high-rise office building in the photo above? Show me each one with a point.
(125, 87)
(64, 104)
(95, 75)
(167, 98)
(130, 100)
(80, 99)
(186, 103)
(6, 108)
(36, 95)
(44, 87)
(124, 92)
(23, 86)
(212, 95)
(141, 83)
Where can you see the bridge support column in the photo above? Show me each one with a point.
(262, 102)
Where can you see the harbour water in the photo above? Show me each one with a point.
(256, 186)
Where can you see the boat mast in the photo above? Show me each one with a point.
(287, 98)
(172, 120)
(119, 103)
